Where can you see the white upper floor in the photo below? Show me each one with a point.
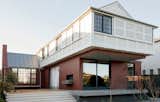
(110, 27)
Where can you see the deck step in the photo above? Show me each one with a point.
(50, 96)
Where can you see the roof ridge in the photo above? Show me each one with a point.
(120, 5)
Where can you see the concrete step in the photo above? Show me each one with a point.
(50, 96)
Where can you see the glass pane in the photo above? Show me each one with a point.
(33, 76)
(14, 70)
(24, 76)
(98, 23)
(103, 75)
(107, 24)
(131, 69)
(89, 74)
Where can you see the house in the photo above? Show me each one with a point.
(98, 50)
(150, 65)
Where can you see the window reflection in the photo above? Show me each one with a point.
(103, 75)
(25, 75)
(131, 73)
(95, 75)
(89, 74)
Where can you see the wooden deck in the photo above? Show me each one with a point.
(105, 92)
(40, 96)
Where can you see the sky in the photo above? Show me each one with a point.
(27, 25)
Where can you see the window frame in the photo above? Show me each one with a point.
(30, 75)
(96, 62)
(102, 25)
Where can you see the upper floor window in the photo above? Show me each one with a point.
(103, 23)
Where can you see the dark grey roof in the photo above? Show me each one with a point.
(22, 60)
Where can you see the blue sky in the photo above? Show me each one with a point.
(26, 25)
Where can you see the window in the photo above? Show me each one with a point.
(107, 24)
(89, 74)
(98, 23)
(131, 73)
(103, 24)
(25, 75)
(144, 72)
(158, 71)
(131, 69)
(69, 77)
(95, 75)
(151, 71)
(33, 76)
(14, 70)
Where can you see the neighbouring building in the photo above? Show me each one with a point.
(98, 50)
(151, 65)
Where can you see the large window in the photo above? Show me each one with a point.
(25, 75)
(95, 75)
(103, 23)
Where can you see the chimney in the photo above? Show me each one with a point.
(4, 60)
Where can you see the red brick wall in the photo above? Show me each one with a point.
(119, 72)
(71, 66)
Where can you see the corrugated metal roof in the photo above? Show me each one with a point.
(22, 60)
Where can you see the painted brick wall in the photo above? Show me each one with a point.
(119, 72)
(71, 66)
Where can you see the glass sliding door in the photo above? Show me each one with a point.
(103, 75)
(89, 75)
(95, 75)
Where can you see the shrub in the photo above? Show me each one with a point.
(7, 85)
(2, 100)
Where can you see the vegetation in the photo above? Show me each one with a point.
(152, 84)
(153, 87)
(7, 85)
(0, 75)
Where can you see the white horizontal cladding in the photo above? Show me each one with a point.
(121, 44)
(132, 30)
(75, 47)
